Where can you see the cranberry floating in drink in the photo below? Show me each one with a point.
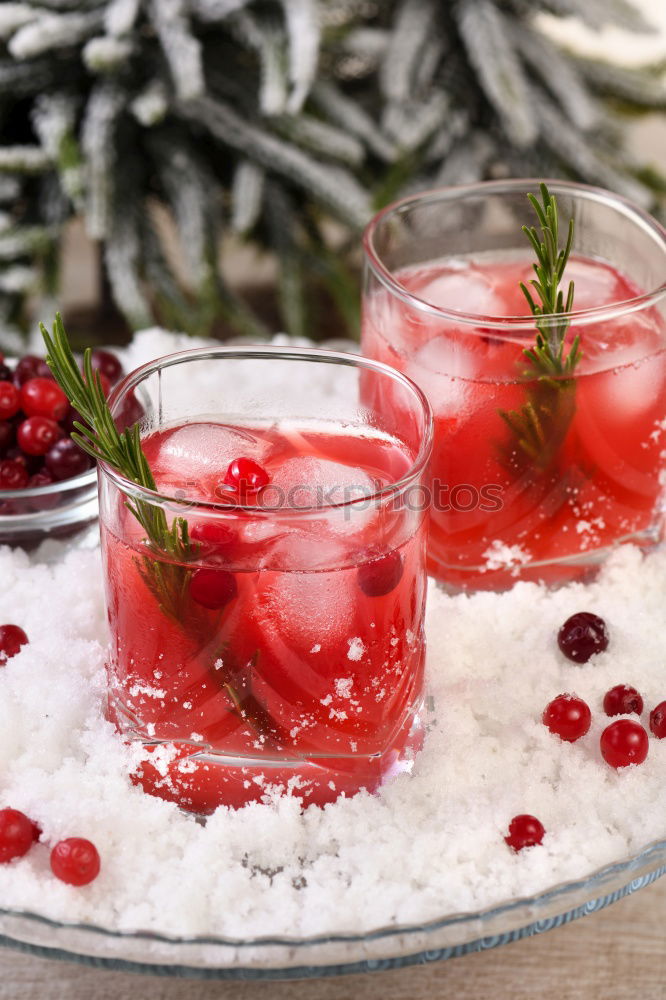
(265, 574)
(540, 463)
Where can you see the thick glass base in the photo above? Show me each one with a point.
(581, 567)
(200, 779)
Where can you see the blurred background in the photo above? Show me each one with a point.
(209, 165)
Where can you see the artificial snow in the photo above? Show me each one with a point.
(429, 843)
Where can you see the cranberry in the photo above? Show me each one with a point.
(37, 435)
(246, 476)
(524, 831)
(41, 478)
(30, 366)
(568, 717)
(213, 535)
(129, 413)
(213, 588)
(13, 474)
(10, 400)
(624, 742)
(47, 501)
(7, 435)
(582, 635)
(106, 363)
(16, 834)
(6, 374)
(65, 459)
(33, 463)
(75, 861)
(42, 397)
(67, 422)
(658, 720)
(12, 637)
(622, 700)
(17, 456)
(380, 576)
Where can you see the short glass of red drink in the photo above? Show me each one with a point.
(533, 477)
(274, 640)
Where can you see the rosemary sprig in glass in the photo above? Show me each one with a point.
(98, 435)
(541, 424)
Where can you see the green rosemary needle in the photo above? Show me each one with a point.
(547, 357)
(540, 426)
(98, 435)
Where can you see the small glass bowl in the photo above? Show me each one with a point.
(29, 516)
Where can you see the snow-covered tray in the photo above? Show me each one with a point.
(418, 872)
(336, 954)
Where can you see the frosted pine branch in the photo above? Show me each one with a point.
(267, 40)
(412, 27)
(120, 16)
(410, 124)
(213, 11)
(182, 50)
(303, 33)
(500, 73)
(151, 105)
(204, 107)
(53, 31)
(106, 54)
(349, 115)
(246, 196)
(570, 147)
(122, 253)
(25, 241)
(321, 138)
(558, 74)
(331, 185)
(10, 188)
(620, 13)
(24, 159)
(645, 89)
(14, 16)
(99, 147)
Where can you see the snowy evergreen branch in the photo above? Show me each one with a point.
(265, 118)
(489, 48)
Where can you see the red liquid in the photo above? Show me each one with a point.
(302, 678)
(595, 481)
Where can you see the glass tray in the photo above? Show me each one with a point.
(339, 954)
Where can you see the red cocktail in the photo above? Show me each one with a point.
(532, 477)
(284, 646)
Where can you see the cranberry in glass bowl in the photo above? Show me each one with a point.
(48, 486)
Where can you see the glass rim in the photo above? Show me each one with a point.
(86, 478)
(525, 322)
(265, 352)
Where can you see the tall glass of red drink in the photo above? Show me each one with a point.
(279, 644)
(531, 479)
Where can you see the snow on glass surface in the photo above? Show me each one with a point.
(427, 844)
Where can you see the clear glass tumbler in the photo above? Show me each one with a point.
(534, 477)
(266, 600)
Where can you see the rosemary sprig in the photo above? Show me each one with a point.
(547, 356)
(101, 439)
(540, 426)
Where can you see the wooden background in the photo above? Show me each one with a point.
(617, 954)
